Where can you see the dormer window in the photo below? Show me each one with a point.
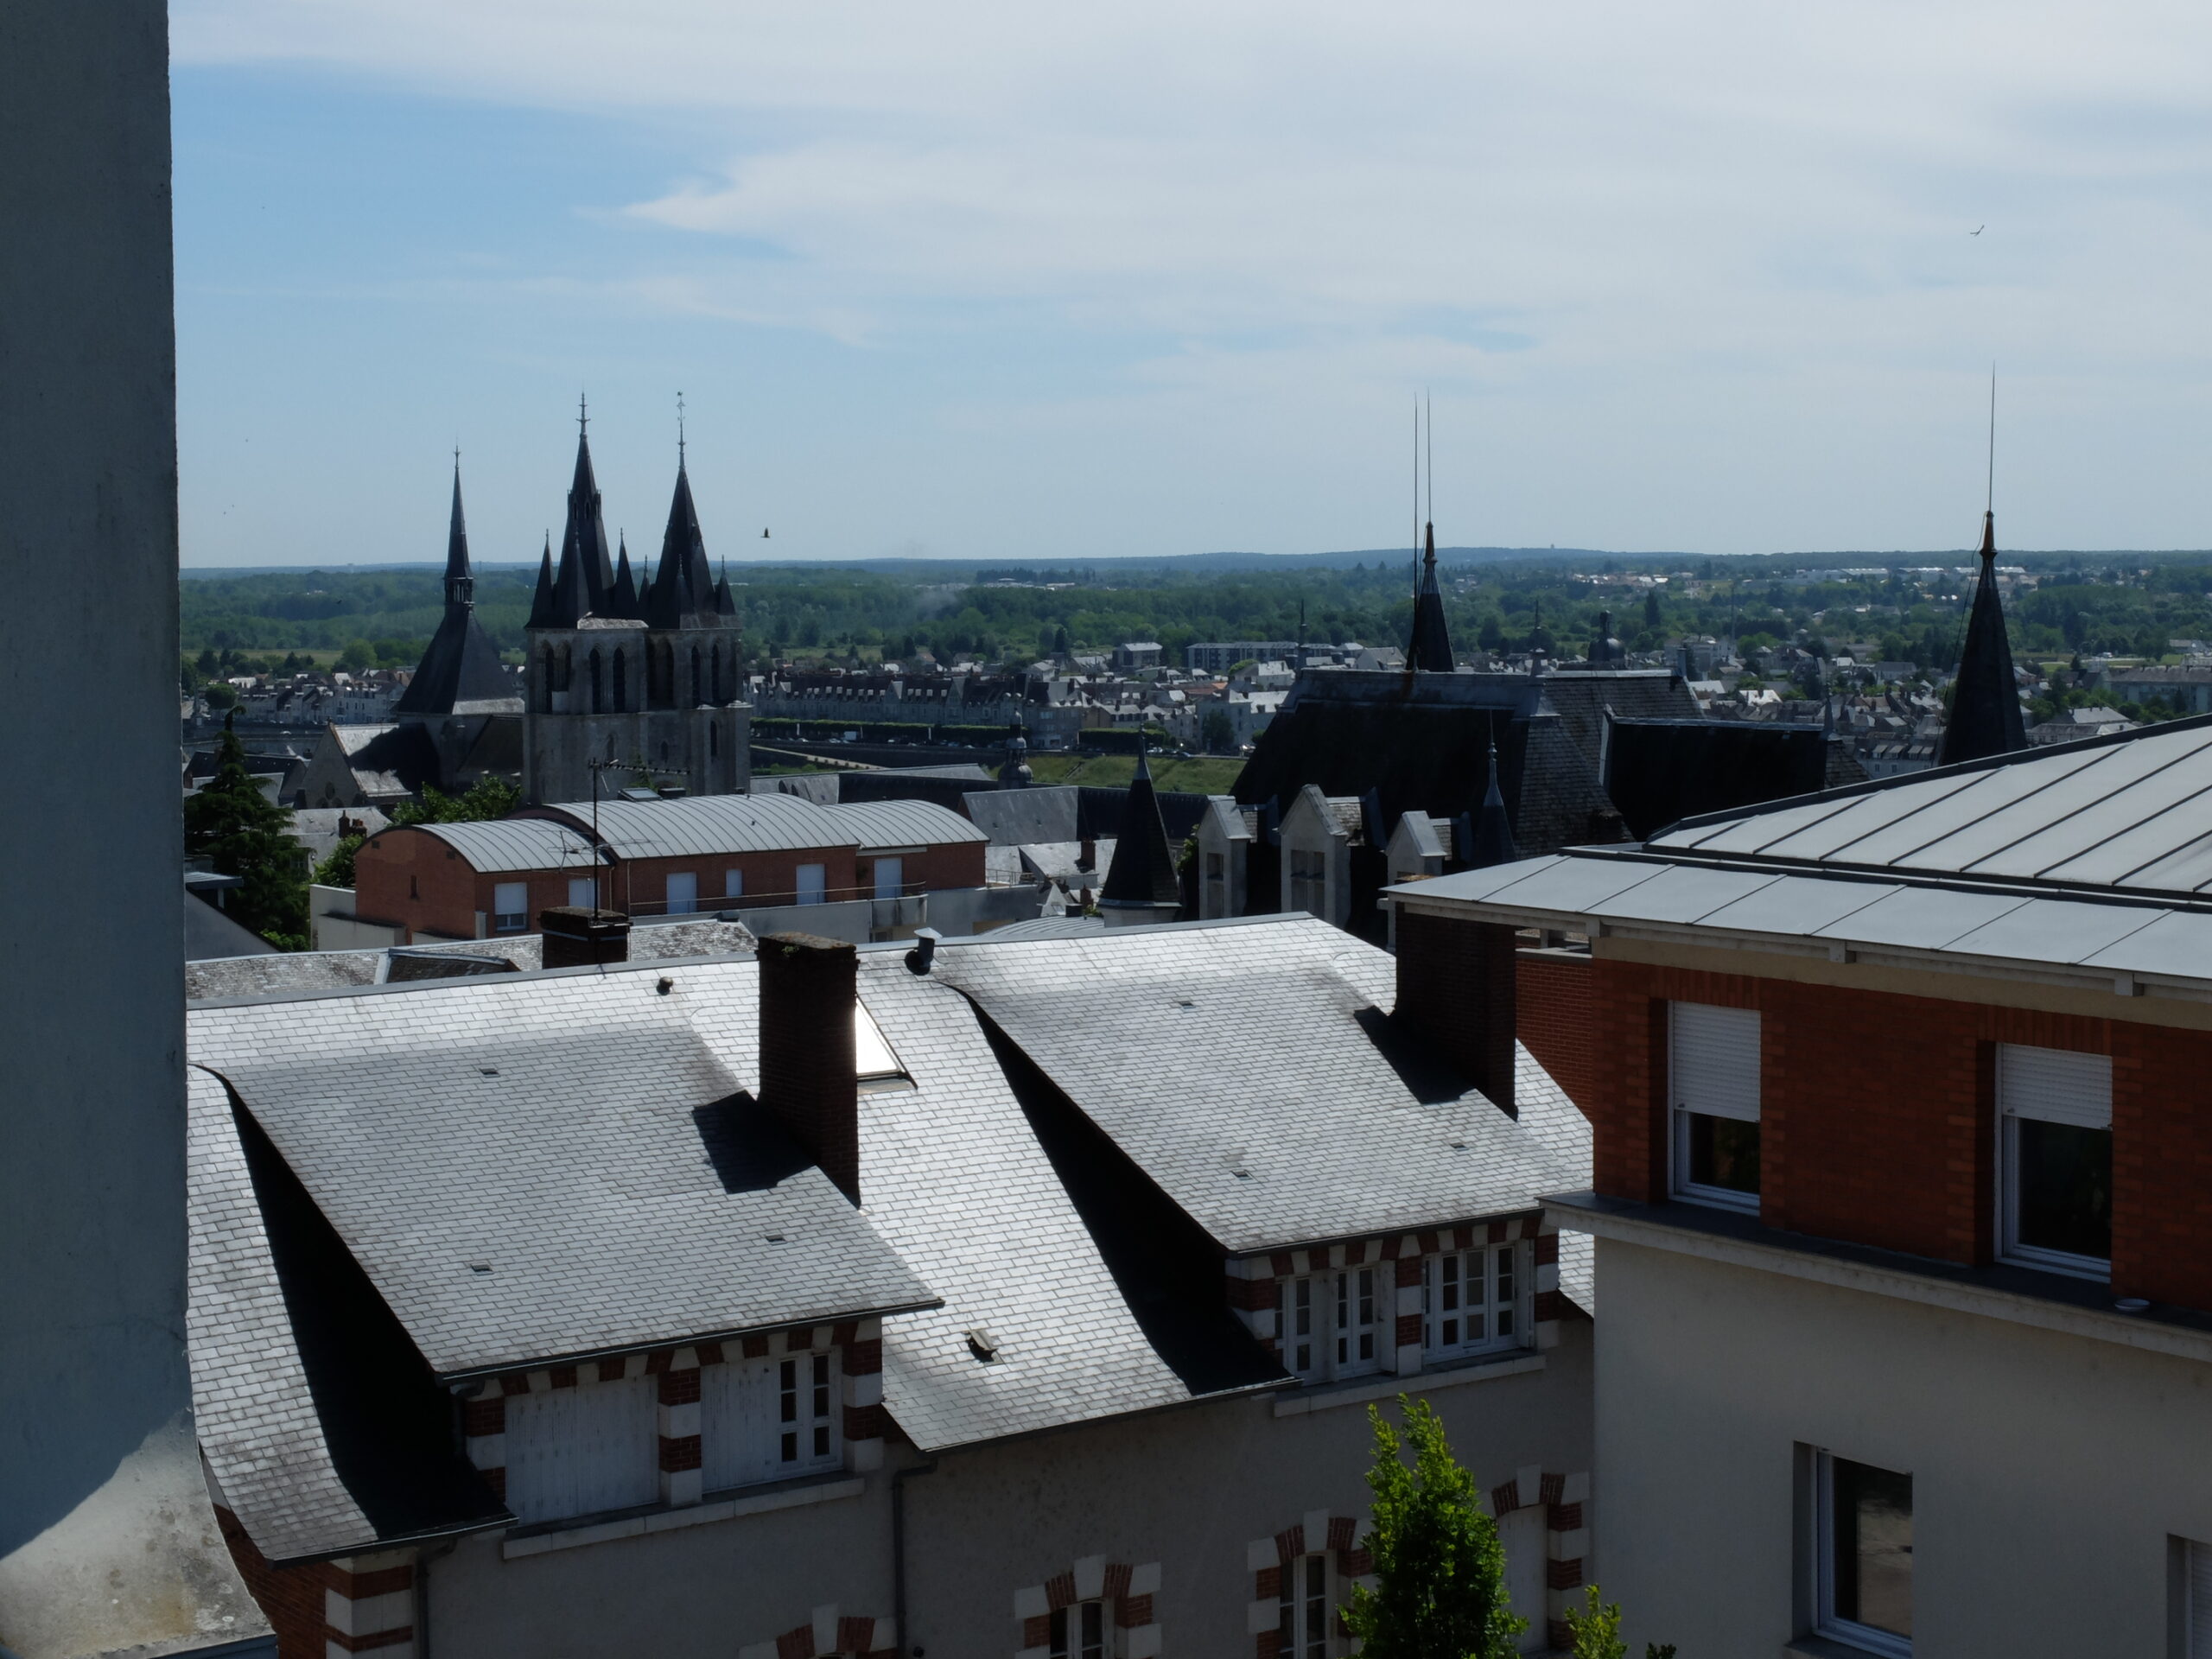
(1470, 1301)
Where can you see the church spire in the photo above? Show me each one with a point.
(1986, 699)
(584, 581)
(622, 599)
(1142, 884)
(541, 602)
(1430, 648)
(682, 586)
(461, 581)
(1493, 826)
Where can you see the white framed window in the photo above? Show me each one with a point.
(1862, 1555)
(583, 1450)
(583, 891)
(1359, 1343)
(767, 1418)
(890, 877)
(2054, 1159)
(511, 906)
(733, 883)
(1302, 1608)
(813, 884)
(1712, 1081)
(2192, 1636)
(683, 892)
(1470, 1301)
(1081, 1631)
(1297, 1319)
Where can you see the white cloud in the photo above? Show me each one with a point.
(1718, 248)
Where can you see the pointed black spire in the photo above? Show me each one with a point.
(1143, 879)
(622, 601)
(541, 604)
(460, 665)
(1430, 648)
(1985, 699)
(585, 578)
(683, 585)
(1493, 828)
(460, 582)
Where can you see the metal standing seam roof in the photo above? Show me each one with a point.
(2131, 812)
(1989, 924)
(906, 823)
(499, 845)
(705, 825)
(1232, 1065)
(533, 1168)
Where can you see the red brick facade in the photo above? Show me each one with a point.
(294, 1599)
(1456, 984)
(410, 878)
(1877, 1117)
(1553, 1016)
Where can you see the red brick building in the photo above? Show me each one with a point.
(1902, 1196)
(663, 857)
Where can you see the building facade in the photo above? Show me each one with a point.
(1897, 1095)
(934, 1300)
(628, 686)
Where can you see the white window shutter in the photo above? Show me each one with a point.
(579, 1451)
(738, 1423)
(1713, 1060)
(2055, 1085)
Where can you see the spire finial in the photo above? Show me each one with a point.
(1429, 410)
(1989, 501)
(679, 431)
(582, 416)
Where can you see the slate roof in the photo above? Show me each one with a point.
(1014, 817)
(460, 672)
(536, 1167)
(1204, 1050)
(308, 1480)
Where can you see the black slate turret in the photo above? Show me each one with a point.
(1430, 648)
(1143, 876)
(461, 664)
(1986, 700)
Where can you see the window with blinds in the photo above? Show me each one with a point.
(2054, 1153)
(1713, 1081)
(2195, 1600)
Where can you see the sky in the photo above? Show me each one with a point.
(1011, 281)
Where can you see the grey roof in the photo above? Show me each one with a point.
(697, 824)
(905, 824)
(1627, 893)
(1204, 1050)
(289, 1467)
(499, 844)
(1015, 818)
(564, 1133)
(2123, 812)
(1049, 927)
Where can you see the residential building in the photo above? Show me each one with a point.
(1897, 1199)
(1134, 654)
(2186, 689)
(645, 683)
(1219, 656)
(938, 1301)
(2072, 725)
(659, 857)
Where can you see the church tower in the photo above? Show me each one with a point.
(643, 685)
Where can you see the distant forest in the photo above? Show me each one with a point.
(385, 616)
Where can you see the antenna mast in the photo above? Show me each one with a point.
(1989, 503)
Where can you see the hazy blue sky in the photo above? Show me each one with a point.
(1041, 282)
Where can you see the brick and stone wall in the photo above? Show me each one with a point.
(320, 1610)
(1128, 1591)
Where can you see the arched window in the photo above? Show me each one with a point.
(714, 742)
(598, 701)
(621, 681)
(698, 686)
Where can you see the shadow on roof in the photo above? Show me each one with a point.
(1167, 1268)
(1428, 1077)
(750, 1151)
(388, 1425)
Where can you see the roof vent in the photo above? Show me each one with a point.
(925, 951)
(984, 1345)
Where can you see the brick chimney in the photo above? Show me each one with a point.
(576, 936)
(1456, 982)
(808, 988)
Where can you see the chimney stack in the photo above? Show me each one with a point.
(1456, 983)
(576, 936)
(808, 990)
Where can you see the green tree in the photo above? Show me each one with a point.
(1440, 1570)
(1217, 731)
(243, 833)
(220, 694)
(357, 655)
(1596, 1631)
(487, 798)
(336, 869)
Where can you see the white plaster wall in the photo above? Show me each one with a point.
(1187, 1488)
(2048, 1470)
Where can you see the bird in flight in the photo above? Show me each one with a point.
(1977, 230)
